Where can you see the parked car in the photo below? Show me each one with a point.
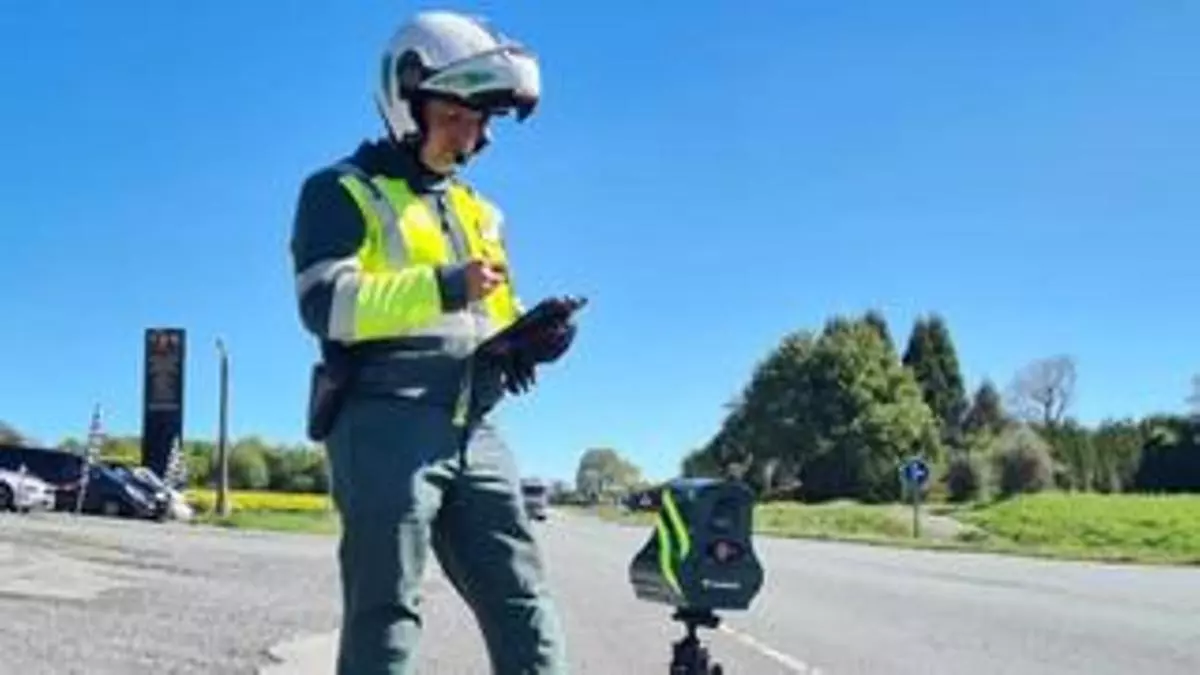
(24, 492)
(109, 492)
(59, 468)
(171, 502)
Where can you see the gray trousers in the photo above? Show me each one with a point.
(407, 482)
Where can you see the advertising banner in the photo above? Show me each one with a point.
(162, 400)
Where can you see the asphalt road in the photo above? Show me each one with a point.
(98, 596)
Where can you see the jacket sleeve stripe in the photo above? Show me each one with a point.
(341, 309)
(324, 272)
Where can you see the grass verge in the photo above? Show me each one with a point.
(1111, 528)
(1135, 528)
(309, 523)
(1114, 528)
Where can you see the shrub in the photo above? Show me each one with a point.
(965, 478)
(248, 468)
(1023, 462)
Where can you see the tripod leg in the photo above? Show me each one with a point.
(691, 658)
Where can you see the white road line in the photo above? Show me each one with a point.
(792, 663)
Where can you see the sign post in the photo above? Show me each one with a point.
(223, 433)
(915, 473)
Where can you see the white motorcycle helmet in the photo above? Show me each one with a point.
(449, 55)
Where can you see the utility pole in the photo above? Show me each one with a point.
(223, 434)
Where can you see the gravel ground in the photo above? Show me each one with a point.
(104, 596)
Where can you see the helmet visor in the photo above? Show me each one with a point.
(497, 82)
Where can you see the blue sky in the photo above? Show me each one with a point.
(713, 175)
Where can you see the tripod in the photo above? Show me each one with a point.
(689, 656)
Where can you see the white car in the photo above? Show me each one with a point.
(24, 492)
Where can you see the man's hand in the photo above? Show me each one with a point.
(483, 277)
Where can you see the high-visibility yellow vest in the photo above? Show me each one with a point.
(395, 292)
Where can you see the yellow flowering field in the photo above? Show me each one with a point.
(204, 500)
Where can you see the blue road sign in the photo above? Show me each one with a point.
(916, 471)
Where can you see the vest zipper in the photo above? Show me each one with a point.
(462, 405)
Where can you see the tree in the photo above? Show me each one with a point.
(1118, 449)
(875, 319)
(9, 434)
(121, 450)
(824, 417)
(248, 468)
(700, 464)
(932, 357)
(861, 413)
(986, 413)
(296, 469)
(1043, 391)
(602, 473)
(768, 420)
(1170, 459)
(1076, 465)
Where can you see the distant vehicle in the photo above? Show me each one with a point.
(537, 498)
(24, 492)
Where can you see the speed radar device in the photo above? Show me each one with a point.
(699, 559)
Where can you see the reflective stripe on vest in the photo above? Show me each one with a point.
(403, 229)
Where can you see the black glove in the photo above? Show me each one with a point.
(548, 345)
(539, 326)
(518, 371)
(542, 335)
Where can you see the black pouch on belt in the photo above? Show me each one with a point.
(327, 393)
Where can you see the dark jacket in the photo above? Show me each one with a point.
(329, 225)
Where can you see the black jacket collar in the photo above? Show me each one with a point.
(385, 157)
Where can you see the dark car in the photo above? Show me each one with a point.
(109, 492)
(149, 483)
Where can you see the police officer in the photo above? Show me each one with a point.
(401, 273)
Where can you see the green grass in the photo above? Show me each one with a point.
(1143, 528)
(277, 521)
(833, 520)
(845, 520)
(1133, 528)
(1114, 528)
